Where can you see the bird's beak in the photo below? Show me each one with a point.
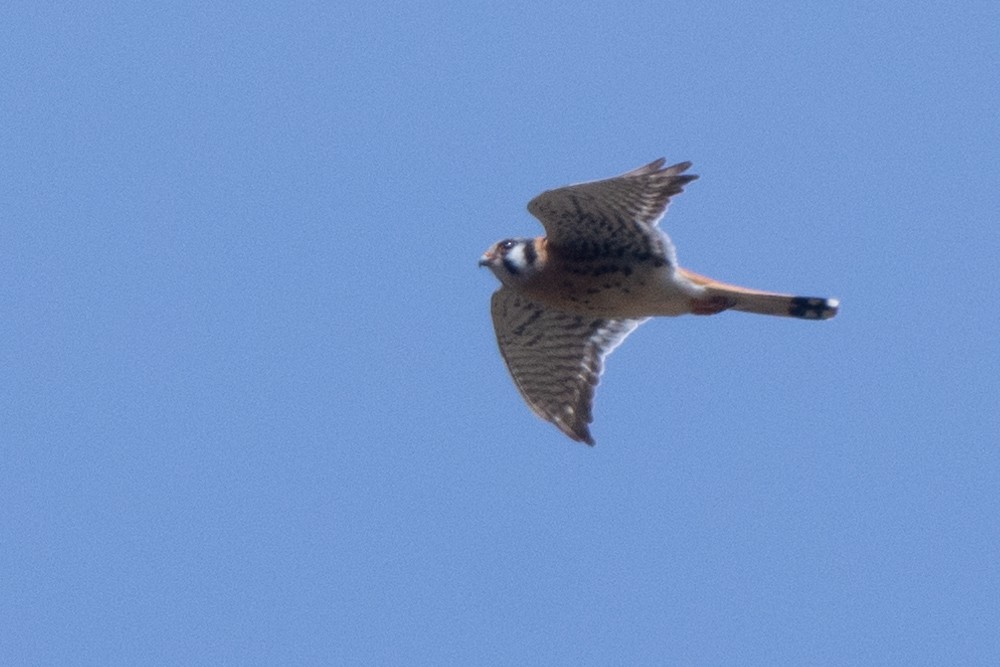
(486, 259)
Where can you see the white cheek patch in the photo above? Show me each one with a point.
(515, 256)
(515, 260)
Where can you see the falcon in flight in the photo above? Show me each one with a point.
(569, 298)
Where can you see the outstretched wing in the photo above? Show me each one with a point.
(555, 358)
(616, 217)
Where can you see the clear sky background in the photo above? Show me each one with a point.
(253, 409)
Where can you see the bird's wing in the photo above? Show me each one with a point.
(615, 217)
(555, 358)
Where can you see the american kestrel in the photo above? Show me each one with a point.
(568, 299)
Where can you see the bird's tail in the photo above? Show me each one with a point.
(721, 296)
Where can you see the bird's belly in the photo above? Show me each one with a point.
(621, 294)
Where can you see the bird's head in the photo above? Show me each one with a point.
(514, 261)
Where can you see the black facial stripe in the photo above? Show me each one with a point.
(529, 253)
(510, 266)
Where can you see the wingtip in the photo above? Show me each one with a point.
(680, 166)
(579, 435)
(656, 167)
(577, 432)
(672, 175)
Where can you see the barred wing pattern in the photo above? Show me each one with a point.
(555, 358)
(615, 217)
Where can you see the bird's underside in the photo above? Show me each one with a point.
(569, 299)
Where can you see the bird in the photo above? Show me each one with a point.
(568, 299)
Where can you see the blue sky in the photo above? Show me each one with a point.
(253, 407)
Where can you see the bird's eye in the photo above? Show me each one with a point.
(508, 244)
